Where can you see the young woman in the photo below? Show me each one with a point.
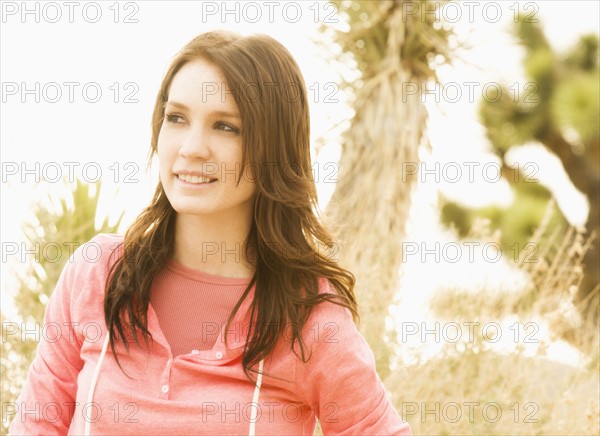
(218, 312)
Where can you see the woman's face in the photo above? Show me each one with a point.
(200, 147)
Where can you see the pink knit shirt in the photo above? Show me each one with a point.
(75, 387)
(192, 306)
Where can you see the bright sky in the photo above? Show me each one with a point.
(125, 61)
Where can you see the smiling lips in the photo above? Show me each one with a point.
(189, 178)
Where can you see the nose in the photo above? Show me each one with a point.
(195, 143)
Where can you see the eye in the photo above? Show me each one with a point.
(173, 118)
(226, 127)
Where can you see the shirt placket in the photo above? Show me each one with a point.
(217, 356)
(159, 337)
(165, 379)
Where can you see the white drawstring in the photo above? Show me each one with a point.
(88, 413)
(254, 411)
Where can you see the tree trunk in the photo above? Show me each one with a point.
(372, 198)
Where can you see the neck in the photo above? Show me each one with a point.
(212, 244)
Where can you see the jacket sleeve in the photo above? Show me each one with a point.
(47, 401)
(340, 381)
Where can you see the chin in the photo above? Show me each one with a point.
(187, 209)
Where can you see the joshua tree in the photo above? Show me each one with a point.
(560, 110)
(395, 46)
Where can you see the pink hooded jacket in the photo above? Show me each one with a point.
(74, 385)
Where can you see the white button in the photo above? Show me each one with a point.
(195, 351)
(165, 389)
(219, 355)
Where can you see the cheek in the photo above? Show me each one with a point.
(165, 161)
(248, 184)
(164, 135)
(162, 146)
(160, 141)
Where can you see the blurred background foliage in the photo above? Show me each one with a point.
(57, 229)
(561, 112)
(559, 109)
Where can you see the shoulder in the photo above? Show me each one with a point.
(87, 268)
(330, 324)
(328, 310)
(99, 252)
(79, 293)
(332, 341)
(106, 243)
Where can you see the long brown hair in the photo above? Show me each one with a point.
(286, 237)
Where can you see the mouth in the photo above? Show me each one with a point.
(196, 180)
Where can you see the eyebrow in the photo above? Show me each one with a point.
(216, 112)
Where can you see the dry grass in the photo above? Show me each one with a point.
(535, 395)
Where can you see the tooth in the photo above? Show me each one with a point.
(194, 179)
